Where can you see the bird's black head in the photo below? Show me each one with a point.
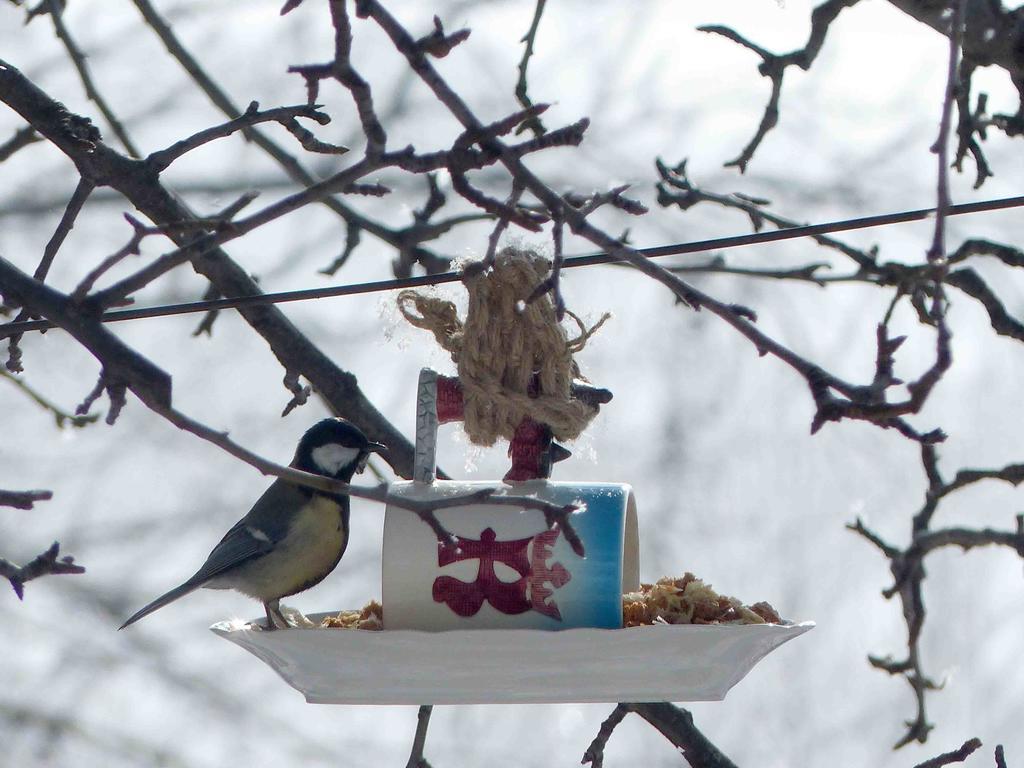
(334, 448)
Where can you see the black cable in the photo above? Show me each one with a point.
(721, 243)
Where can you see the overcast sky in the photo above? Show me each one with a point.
(713, 438)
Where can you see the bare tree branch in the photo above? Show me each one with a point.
(829, 407)
(45, 564)
(292, 348)
(595, 752)
(22, 138)
(484, 147)
(675, 188)
(907, 566)
(439, 43)
(416, 758)
(773, 66)
(676, 725)
(286, 160)
(60, 416)
(971, 123)
(1011, 473)
(556, 516)
(956, 756)
(252, 116)
(56, 11)
(341, 69)
(970, 282)
(991, 37)
(146, 380)
(67, 221)
(23, 499)
(529, 40)
(941, 147)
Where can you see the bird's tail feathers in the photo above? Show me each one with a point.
(160, 602)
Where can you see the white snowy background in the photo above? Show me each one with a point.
(714, 439)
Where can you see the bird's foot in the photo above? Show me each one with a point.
(275, 619)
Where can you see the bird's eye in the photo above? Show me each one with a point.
(332, 457)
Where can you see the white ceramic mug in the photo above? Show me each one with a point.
(508, 569)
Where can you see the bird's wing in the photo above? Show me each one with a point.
(254, 535)
(241, 544)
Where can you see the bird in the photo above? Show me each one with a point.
(293, 536)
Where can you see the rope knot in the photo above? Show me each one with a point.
(514, 359)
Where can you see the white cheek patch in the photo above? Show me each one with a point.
(332, 457)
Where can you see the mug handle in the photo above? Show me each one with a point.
(425, 457)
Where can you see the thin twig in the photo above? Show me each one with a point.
(74, 136)
(23, 499)
(56, 8)
(64, 226)
(773, 66)
(852, 405)
(956, 756)
(971, 123)
(529, 39)
(1011, 473)
(60, 416)
(595, 752)
(440, 43)
(499, 228)
(553, 283)
(352, 237)
(887, 549)
(252, 116)
(151, 384)
(968, 538)
(941, 147)
(67, 221)
(22, 138)
(131, 248)
(207, 243)
(287, 161)
(300, 392)
(675, 188)
(807, 273)
(45, 564)
(555, 514)
(341, 69)
(206, 324)
(676, 725)
(907, 566)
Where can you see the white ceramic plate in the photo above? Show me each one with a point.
(657, 663)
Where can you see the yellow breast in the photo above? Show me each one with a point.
(308, 553)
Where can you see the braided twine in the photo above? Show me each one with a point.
(503, 344)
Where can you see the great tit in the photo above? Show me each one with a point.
(293, 536)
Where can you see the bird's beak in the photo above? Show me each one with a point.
(370, 448)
